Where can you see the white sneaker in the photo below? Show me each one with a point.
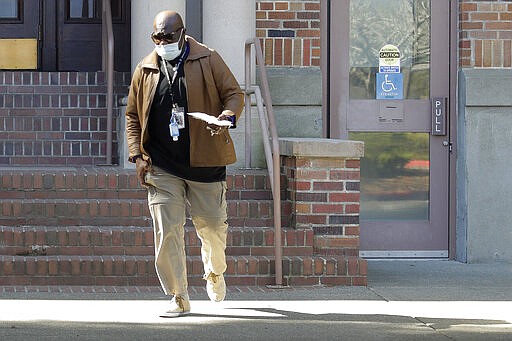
(215, 286)
(180, 306)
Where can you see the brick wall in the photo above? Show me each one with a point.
(57, 118)
(485, 33)
(290, 31)
(324, 194)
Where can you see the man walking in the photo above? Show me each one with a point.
(182, 160)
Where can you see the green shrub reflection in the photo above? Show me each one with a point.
(387, 154)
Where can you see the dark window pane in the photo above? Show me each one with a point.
(81, 9)
(91, 9)
(117, 10)
(9, 9)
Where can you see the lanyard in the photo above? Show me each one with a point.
(175, 69)
(177, 114)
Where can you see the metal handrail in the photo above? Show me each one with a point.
(107, 43)
(270, 141)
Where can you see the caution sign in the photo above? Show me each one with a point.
(389, 59)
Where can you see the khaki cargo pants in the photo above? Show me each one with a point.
(168, 197)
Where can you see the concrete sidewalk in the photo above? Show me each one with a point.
(404, 300)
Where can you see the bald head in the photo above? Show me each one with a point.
(167, 22)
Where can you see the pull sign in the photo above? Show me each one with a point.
(438, 116)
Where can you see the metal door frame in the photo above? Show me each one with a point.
(335, 79)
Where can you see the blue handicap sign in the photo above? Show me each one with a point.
(389, 86)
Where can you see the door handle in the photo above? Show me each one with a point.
(448, 144)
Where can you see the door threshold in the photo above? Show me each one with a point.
(404, 254)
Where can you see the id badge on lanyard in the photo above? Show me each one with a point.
(177, 121)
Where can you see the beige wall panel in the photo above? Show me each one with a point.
(18, 54)
(227, 33)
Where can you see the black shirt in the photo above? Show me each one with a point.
(174, 156)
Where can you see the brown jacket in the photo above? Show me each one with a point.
(211, 88)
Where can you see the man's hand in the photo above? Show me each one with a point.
(142, 167)
(226, 115)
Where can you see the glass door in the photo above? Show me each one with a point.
(393, 74)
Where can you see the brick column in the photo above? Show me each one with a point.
(290, 32)
(323, 178)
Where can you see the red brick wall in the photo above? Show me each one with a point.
(485, 33)
(324, 194)
(290, 31)
(55, 118)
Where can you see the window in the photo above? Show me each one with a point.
(82, 9)
(402, 23)
(395, 175)
(90, 10)
(10, 9)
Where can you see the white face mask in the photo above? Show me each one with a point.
(168, 51)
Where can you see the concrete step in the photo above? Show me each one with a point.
(138, 241)
(139, 270)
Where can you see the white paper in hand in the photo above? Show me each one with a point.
(210, 119)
